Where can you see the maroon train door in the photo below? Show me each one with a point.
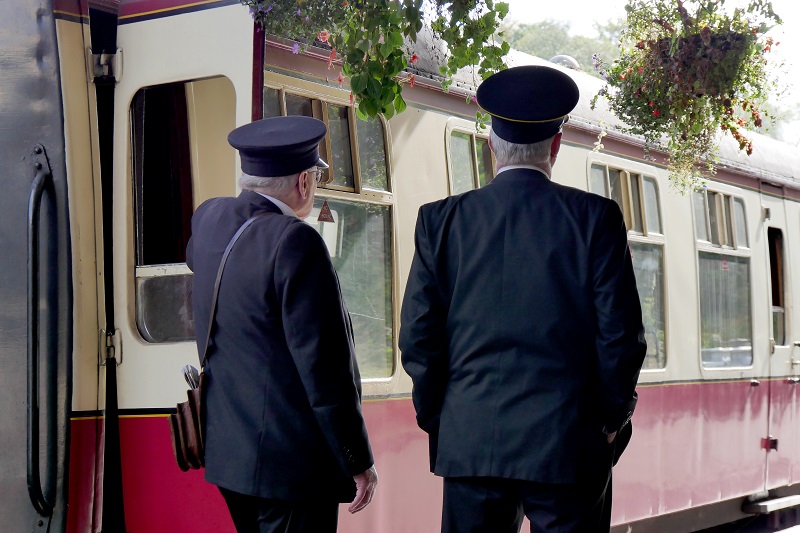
(780, 443)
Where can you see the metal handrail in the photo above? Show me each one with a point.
(40, 183)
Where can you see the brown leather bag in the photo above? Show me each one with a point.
(186, 428)
(187, 425)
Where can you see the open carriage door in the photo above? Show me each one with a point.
(780, 444)
(35, 274)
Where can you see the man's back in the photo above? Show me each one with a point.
(284, 417)
(523, 275)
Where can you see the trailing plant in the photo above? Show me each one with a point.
(685, 75)
(375, 40)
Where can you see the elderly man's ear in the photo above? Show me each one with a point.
(556, 146)
(304, 184)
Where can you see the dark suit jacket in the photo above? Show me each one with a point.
(522, 330)
(283, 402)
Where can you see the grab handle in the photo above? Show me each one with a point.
(41, 182)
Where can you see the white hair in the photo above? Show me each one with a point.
(277, 184)
(508, 153)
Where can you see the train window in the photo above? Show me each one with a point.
(597, 179)
(178, 137)
(485, 164)
(372, 154)
(615, 192)
(648, 262)
(724, 280)
(360, 238)
(775, 237)
(340, 147)
(470, 161)
(636, 203)
(354, 148)
(461, 169)
(272, 103)
(725, 323)
(298, 105)
(701, 220)
(716, 219)
(359, 242)
(637, 197)
(651, 203)
(720, 219)
(741, 223)
(164, 206)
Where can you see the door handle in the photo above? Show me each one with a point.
(41, 182)
(792, 381)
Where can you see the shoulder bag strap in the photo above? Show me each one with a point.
(217, 281)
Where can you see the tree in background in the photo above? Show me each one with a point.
(551, 38)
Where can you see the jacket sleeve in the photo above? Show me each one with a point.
(423, 333)
(620, 334)
(317, 332)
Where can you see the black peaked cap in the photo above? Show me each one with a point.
(279, 146)
(528, 104)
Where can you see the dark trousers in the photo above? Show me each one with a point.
(497, 505)
(251, 514)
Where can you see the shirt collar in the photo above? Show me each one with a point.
(285, 209)
(513, 167)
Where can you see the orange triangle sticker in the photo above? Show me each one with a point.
(325, 214)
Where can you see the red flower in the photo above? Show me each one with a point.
(323, 36)
(351, 98)
(414, 59)
(412, 80)
(655, 112)
(340, 79)
(330, 58)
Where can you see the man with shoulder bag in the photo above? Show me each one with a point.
(285, 438)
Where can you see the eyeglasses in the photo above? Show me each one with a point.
(319, 175)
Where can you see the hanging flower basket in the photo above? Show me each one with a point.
(683, 76)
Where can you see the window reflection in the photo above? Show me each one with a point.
(359, 241)
(648, 264)
(461, 169)
(725, 328)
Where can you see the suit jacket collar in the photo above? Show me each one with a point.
(258, 202)
(517, 174)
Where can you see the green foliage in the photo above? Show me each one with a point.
(550, 38)
(369, 36)
(685, 75)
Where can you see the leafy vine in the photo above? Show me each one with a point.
(375, 40)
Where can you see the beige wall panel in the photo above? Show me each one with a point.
(212, 115)
(79, 105)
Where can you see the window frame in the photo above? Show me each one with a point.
(197, 93)
(456, 125)
(726, 226)
(628, 204)
(629, 170)
(321, 94)
(728, 246)
(328, 94)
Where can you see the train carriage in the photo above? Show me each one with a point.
(129, 104)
